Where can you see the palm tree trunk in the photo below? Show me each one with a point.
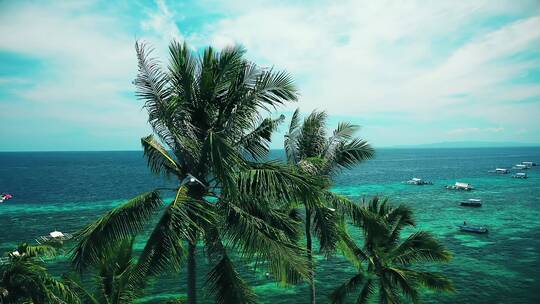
(310, 256)
(191, 274)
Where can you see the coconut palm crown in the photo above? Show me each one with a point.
(385, 259)
(206, 108)
(310, 149)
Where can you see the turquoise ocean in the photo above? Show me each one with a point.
(65, 190)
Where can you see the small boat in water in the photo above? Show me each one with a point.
(529, 164)
(499, 171)
(473, 229)
(5, 197)
(520, 167)
(418, 181)
(54, 236)
(520, 175)
(460, 186)
(472, 202)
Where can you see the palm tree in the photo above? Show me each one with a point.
(24, 278)
(384, 261)
(310, 149)
(206, 108)
(116, 278)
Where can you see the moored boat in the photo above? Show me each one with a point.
(54, 236)
(473, 229)
(520, 167)
(500, 171)
(472, 202)
(520, 175)
(460, 186)
(529, 164)
(418, 181)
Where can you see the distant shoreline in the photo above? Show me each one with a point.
(419, 147)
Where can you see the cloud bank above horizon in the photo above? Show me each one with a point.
(409, 72)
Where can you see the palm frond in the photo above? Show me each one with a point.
(405, 283)
(73, 280)
(291, 138)
(350, 250)
(274, 88)
(343, 133)
(256, 142)
(227, 286)
(259, 241)
(312, 135)
(153, 88)
(164, 251)
(159, 160)
(432, 280)
(339, 295)
(326, 228)
(41, 250)
(420, 246)
(367, 291)
(276, 181)
(349, 154)
(121, 223)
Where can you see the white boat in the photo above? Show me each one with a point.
(500, 171)
(54, 236)
(460, 186)
(418, 181)
(520, 175)
(472, 202)
(520, 167)
(529, 164)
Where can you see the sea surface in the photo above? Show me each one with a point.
(65, 190)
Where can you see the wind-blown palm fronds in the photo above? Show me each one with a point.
(313, 152)
(384, 261)
(207, 110)
(24, 278)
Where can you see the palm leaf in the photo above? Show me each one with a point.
(226, 285)
(121, 223)
(349, 154)
(339, 295)
(256, 142)
(291, 138)
(159, 160)
(420, 246)
(432, 280)
(259, 241)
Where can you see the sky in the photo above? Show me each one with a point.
(408, 72)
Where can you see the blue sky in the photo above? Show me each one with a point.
(409, 72)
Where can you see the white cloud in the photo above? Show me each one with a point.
(84, 82)
(473, 131)
(413, 57)
(435, 63)
(162, 23)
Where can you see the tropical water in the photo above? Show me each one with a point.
(65, 190)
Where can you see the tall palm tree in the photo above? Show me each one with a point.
(385, 259)
(24, 278)
(309, 148)
(206, 108)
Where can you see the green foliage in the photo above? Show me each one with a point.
(385, 259)
(24, 278)
(316, 155)
(123, 222)
(207, 110)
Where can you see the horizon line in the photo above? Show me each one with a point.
(422, 147)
